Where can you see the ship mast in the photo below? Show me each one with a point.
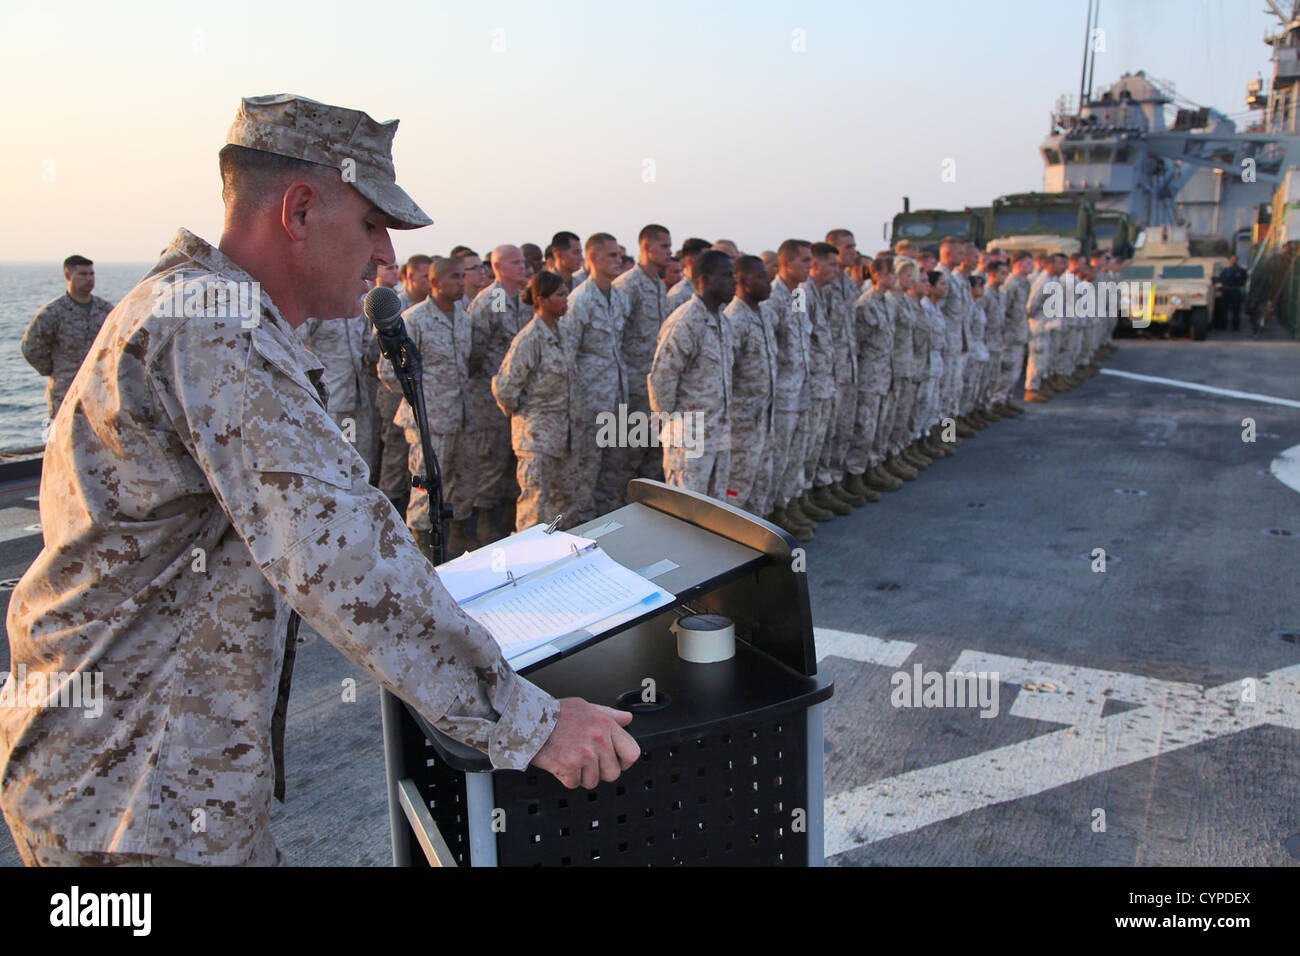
(1087, 46)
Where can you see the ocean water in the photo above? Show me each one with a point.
(24, 288)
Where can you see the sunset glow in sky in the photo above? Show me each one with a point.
(518, 119)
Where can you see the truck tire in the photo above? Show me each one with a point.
(1199, 323)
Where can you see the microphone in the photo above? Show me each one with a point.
(384, 310)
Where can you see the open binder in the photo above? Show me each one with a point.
(541, 593)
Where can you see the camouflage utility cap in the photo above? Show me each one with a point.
(348, 140)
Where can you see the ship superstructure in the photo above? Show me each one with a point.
(1140, 149)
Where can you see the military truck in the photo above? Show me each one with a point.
(1040, 222)
(1182, 298)
(1115, 232)
(925, 227)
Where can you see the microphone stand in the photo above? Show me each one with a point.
(410, 372)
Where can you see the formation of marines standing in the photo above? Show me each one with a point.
(797, 386)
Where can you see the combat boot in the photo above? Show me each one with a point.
(794, 514)
(981, 416)
(846, 496)
(881, 480)
(899, 468)
(812, 509)
(823, 496)
(964, 429)
(799, 532)
(1013, 408)
(1033, 396)
(855, 485)
(459, 540)
(913, 456)
(937, 434)
(934, 448)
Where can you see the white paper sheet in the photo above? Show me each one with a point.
(582, 591)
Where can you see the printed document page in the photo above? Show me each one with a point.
(585, 589)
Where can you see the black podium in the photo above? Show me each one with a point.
(732, 751)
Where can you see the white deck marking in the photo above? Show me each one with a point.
(1286, 468)
(1197, 387)
(860, 647)
(1175, 715)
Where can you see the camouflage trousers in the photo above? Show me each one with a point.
(950, 388)
(490, 458)
(546, 489)
(750, 464)
(264, 853)
(972, 380)
(821, 427)
(789, 451)
(1039, 363)
(1096, 334)
(393, 477)
(859, 457)
(900, 430)
(707, 474)
(930, 409)
(882, 445)
(1013, 363)
(599, 472)
(1057, 339)
(646, 462)
(841, 434)
(456, 491)
(1075, 353)
(989, 380)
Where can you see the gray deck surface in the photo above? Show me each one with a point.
(989, 550)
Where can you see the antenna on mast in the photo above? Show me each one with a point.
(1092, 45)
(1083, 73)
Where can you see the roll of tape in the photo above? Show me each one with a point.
(705, 638)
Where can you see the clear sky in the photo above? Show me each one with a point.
(519, 119)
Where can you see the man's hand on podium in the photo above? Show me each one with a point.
(588, 745)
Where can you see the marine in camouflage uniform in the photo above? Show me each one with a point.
(1041, 329)
(444, 343)
(753, 387)
(349, 350)
(977, 358)
(1015, 336)
(690, 380)
(195, 494)
(596, 322)
(904, 376)
(995, 319)
(930, 353)
(842, 296)
(824, 395)
(874, 329)
(58, 339)
(539, 388)
(196, 498)
(955, 306)
(792, 408)
(496, 317)
(647, 301)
